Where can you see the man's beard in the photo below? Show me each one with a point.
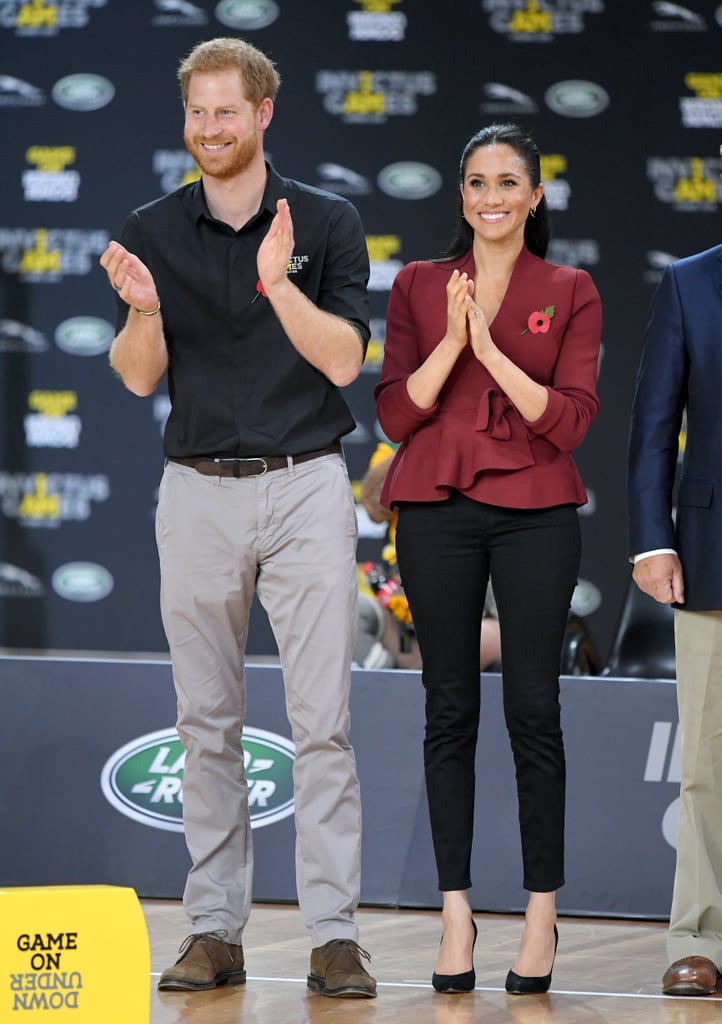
(224, 164)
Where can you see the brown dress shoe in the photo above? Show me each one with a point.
(690, 976)
(205, 960)
(336, 970)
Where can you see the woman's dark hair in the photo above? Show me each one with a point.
(537, 229)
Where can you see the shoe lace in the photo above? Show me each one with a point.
(348, 945)
(220, 935)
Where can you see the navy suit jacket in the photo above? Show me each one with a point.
(681, 368)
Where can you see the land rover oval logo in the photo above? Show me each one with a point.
(409, 180)
(144, 779)
(83, 92)
(84, 335)
(247, 14)
(82, 581)
(576, 98)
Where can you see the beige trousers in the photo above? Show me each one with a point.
(695, 926)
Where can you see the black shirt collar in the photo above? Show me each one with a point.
(274, 190)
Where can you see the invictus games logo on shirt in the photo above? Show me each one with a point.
(144, 778)
(247, 14)
(384, 269)
(557, 191)
(704, 109)
(83, 92)
(50, 181)
(45, 18)
(576, 98)
(376, 21)
(46, 255)
(686, 183)
(538, 21)
(372, 97)
(82, 581)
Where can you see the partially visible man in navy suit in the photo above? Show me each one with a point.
(678, 561)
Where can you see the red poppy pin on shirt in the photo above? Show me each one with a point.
(540, 320)
(260, 290)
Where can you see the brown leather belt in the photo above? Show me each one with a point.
(254, 466)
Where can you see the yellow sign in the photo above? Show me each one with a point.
(73, 953)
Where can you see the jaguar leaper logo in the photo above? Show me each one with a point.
(144, 778)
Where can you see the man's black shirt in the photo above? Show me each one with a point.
(237, 385)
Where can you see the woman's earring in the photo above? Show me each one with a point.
(532, 211)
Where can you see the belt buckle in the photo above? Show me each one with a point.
(255, 458)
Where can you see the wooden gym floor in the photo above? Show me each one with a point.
(606, 971)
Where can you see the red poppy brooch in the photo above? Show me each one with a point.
(540, 320)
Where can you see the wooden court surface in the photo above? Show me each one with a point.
(606, 971)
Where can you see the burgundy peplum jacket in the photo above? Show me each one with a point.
(473, 439)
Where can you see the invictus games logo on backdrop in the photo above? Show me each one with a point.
(556, 190)
(538, 21)
(47, 255)
(144, 778)
(686, 183)
(247, 14)
(45, 18)
(376, 21)
(372, 97)
(174, 167)
(384, 268)
(46, 500)
(50, 181)
(52, 422)
(704, 109)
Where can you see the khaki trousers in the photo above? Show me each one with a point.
(695, 926)
(290, 535)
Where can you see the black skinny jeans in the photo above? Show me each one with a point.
(446, 551)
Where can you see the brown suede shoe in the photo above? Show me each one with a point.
(690, 976)
(205, 960)
(336, 970)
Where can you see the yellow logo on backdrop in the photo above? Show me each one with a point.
(380, 247)
(551, 165)
(60, 956)
(40, 260)
(531, 19)
(364, 100)
(37, 14)
(705, 86)
(50, 158)
(41, 504)
(53, 403)
(696, 188)
(378, 6)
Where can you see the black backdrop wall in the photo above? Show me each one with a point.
(378, 99)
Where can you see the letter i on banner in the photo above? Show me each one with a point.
(61, 948)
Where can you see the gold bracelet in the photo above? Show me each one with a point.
(148, 312)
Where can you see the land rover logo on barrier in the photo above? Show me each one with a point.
(576, 98)
(84, 336)
(144, 779)
(83, 92)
